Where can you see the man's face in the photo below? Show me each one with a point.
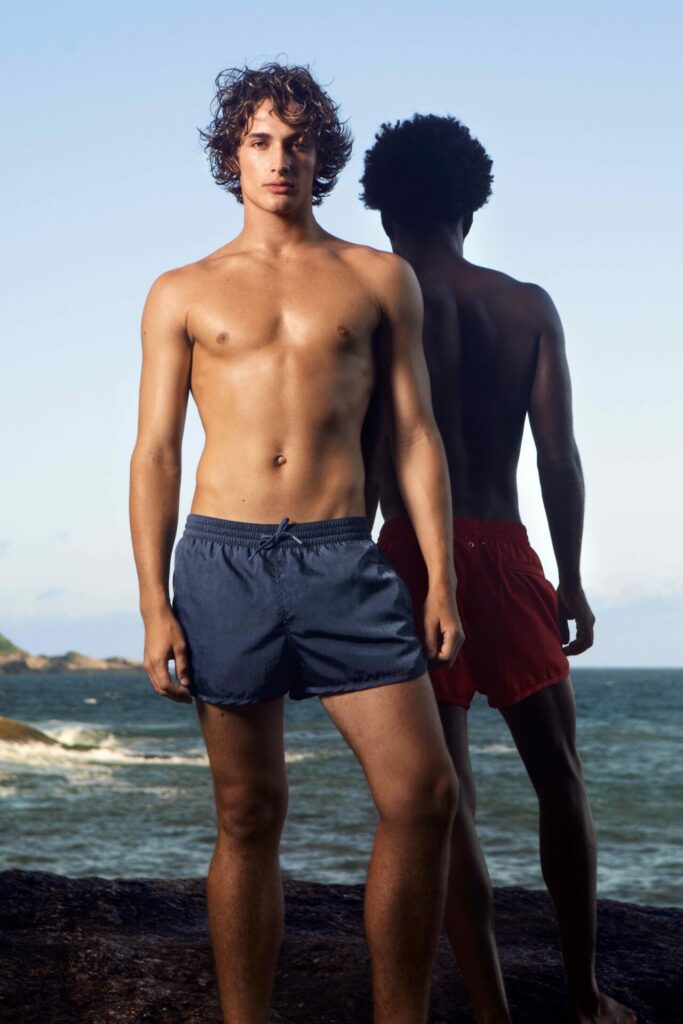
(276, 162)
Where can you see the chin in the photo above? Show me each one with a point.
(283, 204)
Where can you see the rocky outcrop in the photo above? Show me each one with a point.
(72, 661)
(90, 951)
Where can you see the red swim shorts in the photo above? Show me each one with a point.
(507, 606)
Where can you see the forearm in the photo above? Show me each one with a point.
(154, 496)
(422, 474)
(563, 493)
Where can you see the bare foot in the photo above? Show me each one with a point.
(608, 1012)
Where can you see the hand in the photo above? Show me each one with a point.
(164, 641)
(444, 634)
(572, 604)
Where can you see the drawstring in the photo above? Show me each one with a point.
(271, 539)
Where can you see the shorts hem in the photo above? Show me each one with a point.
(553, 681)
(229, 701)
(453, 703)
(370, 684)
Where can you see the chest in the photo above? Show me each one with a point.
(301, 314)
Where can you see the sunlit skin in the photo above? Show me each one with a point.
(496, 354)
(285, 336)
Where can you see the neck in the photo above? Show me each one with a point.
(431, 249)
(278, 232)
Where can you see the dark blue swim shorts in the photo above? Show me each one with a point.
(307, 609)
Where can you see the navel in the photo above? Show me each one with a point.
(279, 460)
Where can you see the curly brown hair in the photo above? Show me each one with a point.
(297, 99)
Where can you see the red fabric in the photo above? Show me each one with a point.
(507, 606)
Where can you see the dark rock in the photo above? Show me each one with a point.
(94, 951)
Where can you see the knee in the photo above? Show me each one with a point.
(467, 803)
(252, 816)
(428, 800)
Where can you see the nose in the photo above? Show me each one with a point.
(280, 159)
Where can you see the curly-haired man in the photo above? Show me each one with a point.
(283, 335)
(495, 353)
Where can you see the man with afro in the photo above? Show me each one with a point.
(283, 335)
(496, 354)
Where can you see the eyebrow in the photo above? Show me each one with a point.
(267, 135)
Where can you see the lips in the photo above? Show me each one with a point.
(279, 186)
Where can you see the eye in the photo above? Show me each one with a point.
(259, 143)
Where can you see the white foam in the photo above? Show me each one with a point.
(495, 748)
(90, 700)
(101, 749)
(40, 755)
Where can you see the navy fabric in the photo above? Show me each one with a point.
(301, 608)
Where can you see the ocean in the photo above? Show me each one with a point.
(136, 800)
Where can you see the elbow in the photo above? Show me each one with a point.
(166, 458)
(559, 459)
(423, 436)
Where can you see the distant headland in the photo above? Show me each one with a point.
(13, 659)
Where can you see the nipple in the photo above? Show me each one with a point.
(280, 460)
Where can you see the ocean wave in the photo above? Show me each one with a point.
(39, 755)
(494, 748)
(74, 745)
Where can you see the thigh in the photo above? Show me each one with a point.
(245, 744)
(543, 728)
(396, 734)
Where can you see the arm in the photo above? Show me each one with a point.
(559, 470)
(155, 479)
(418, 453)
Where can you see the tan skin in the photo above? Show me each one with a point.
(282, 336)
(495, 352)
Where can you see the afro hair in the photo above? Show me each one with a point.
(426, 170)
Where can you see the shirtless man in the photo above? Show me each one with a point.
(495, 353)
(282, 335)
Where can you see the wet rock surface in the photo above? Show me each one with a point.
(94, 951)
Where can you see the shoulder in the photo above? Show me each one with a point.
(170, 288)
(537, 299)
(179, 283)
(373, 263)
(389, 278)
(522, 301)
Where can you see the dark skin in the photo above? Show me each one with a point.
(495, 353)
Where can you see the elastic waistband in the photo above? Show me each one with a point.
(233, 531)
(463, 528)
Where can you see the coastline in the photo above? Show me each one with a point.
(132, 950)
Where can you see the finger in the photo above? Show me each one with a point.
(432, 637)
(455, 638)
(583, 639)
(163, 684)
(562, 619)
(177, 693)
(575, 647)
(446, 652)
(181, 663)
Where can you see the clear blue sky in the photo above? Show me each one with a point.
(105, 186)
